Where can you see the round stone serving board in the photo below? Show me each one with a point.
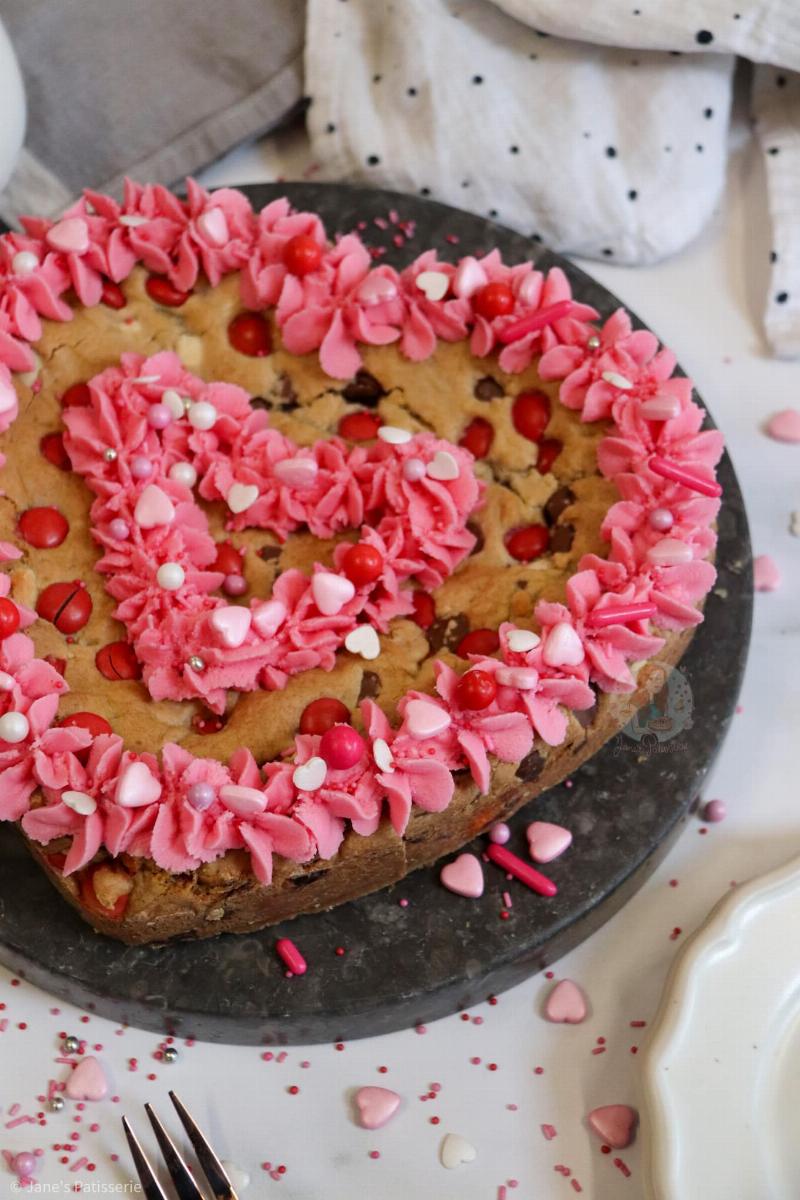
(405, 965)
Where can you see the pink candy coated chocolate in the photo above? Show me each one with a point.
(464, 876)
(784, 426)
(614, 1124)
(546, 841)
(566, 1004)
(376, 1106)
(87, 1081)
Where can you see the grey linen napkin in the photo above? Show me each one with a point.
(150, 88)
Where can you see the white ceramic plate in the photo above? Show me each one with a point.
(721, 1113)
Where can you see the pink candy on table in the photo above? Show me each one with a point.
(766, 574)
(784, 426)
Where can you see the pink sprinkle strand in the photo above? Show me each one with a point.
(620, 614)
(289, 955)
(533, 879)
(690, 479)
(537, 320)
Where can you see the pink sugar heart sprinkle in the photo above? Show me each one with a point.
(784, 426)
(766, 574)
(464, 876)
(566, 1004)
(376, 1106)
(614, 1124)
(87, 1081)
(547, 841)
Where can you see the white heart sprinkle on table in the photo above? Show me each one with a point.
(455, 1150)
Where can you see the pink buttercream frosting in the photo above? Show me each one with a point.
(149, 807)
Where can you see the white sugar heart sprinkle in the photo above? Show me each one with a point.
(384, 759)
(6, 682)
(268, 617)
(456, 1150)
(469, 276)
(424, 719)
(618, 381)
(442, 467)
(243, 801)
(231, 623)
(331, 592)
(213, 226)
(563, 647)
(145, 379)
(174, 402)
(433, 283)
(394, 435)
(363, 640)
(79, 802)
(242, 496)
(132, 220)
(310, 775)
(522, 640)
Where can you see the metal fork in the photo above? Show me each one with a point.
(185, 1186)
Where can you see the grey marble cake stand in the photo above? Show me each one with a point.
(405, 965)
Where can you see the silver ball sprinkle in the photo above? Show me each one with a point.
(594, 342)
(170, 1054)
(56, 1103)
(110, 455)
(70, 1045)
(197, 663)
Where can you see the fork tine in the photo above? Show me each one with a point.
(213, 1170)
(179, 1173)
(152, 1188)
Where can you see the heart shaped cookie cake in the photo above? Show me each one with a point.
(314, 568)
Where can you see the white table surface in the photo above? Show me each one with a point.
(705, 304)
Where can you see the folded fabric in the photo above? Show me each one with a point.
(142, 87)
(608, 140)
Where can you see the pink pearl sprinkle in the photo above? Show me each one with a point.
(499, 833)
(234, 585)
(715, 811)
(158, 416)
(661, 519)
(141, 467)
(119, 529)
(413, 470)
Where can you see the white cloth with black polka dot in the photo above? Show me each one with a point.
(600, 128)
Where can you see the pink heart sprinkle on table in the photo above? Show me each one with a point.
(566, 1004)
(784, 426)
(87, 1081)
(615, 1124)
(547, 841)
(464, 876)
(376, 1106)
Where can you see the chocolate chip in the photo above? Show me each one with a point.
(365, 389)
(269, 552)
(561, 538)
(585, 716)
(531, 767)
(287, 396)
(447, 631)
(488, 388)
(370, 686)
(300, 881)
(259, 402)
(560, 500)
(477, 533)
